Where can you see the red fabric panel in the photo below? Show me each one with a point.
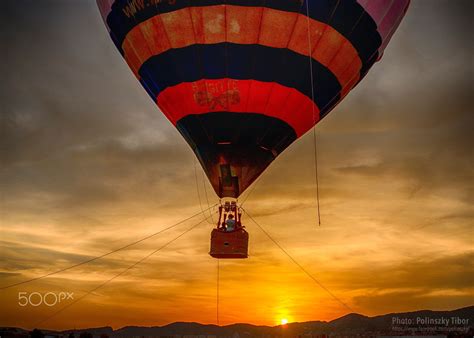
(247, 96)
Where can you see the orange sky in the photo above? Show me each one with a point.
(89, 164)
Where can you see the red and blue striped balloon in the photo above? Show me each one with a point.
(242, 79)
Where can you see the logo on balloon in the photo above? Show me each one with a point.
(216, 96)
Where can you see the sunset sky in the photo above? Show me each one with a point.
(90, 164)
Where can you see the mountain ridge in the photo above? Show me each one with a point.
(351, 324)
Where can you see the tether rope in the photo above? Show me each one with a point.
(103, 255)
(298, 264)
(217, 291)
(119, 274)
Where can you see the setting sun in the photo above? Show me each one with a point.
(284, 321)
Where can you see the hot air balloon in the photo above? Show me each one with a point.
(243, 79)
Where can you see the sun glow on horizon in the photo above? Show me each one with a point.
(284, 321)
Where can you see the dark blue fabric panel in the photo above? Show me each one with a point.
(270, 65)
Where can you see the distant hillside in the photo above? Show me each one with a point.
(350, 325)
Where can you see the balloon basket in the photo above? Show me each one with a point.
(230, 245)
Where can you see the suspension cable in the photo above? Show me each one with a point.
(103, 255)
(197, 189)
(252, 188)
(298, 264)
(207, 198)
(118, 274)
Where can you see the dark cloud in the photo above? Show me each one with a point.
(447, 272)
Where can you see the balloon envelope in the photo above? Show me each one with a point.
(242, 79)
